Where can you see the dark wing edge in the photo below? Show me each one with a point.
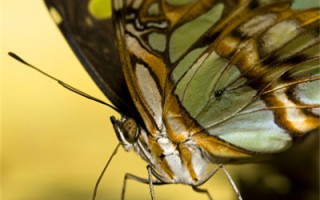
(93, 42)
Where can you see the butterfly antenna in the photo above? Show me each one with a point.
(65, 85)
(103, 171)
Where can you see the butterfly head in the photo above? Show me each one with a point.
(126, 130)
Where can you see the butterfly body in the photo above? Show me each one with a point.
(168, 159)
(202, 82)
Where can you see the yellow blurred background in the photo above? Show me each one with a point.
(55, 143)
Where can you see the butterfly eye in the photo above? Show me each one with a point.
(126, 130)
(130, 130)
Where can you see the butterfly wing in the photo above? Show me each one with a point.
(239, 75)
(258, 89)
(93, 41)
(254, 92)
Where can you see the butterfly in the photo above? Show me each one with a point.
(199, 81)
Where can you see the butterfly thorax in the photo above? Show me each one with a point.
(177, 161)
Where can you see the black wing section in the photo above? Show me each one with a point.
(93, 41)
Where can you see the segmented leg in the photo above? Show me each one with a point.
(208, 176)
(199, 190)
(232, 183)
(149, 181)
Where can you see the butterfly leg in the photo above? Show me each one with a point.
(232, 183)
(149, 181)
(149, 168)
(132, 177)
(208, 176)
(199, 190)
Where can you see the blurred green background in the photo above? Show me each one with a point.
(55, 143)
